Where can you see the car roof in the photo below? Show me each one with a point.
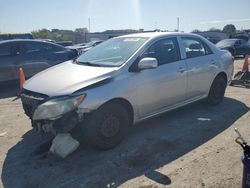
(28, 40)
(159, 34)
(231, 39)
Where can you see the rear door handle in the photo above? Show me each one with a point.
(181, 69)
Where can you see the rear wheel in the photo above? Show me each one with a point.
(106, 127)
(217, 91)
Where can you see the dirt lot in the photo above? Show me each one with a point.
(190, 147)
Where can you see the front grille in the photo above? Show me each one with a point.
(31, 100)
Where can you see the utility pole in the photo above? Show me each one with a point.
(178, 24)
(156, 25)
(89, 24)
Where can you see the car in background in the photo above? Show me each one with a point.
(78, 47)
(237, 47)
(15, 36)
(32, 55)
(84, 47)
(125, 80)
(64, 43)
(91, 44)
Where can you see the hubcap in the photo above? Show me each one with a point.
(110, 126)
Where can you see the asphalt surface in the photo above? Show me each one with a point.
(189, 147)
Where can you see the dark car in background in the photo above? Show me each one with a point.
(237, 47)
(91, 44)
(81, 48)
(32, 55)
(64, 43)
(15, 36)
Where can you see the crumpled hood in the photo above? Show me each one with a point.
(66, 78)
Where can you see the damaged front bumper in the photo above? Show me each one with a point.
(56, 115)
(61, 125)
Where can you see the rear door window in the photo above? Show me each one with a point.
(195, 47)
(32, 47)
(50, 48)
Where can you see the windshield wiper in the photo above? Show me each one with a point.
(88, 63)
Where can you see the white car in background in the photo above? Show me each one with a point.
(125, 80)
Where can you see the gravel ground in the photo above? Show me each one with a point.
(189, 147)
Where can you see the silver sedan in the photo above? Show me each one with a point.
(125, 80)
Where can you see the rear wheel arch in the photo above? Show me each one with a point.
(217, 89)
(223, 75)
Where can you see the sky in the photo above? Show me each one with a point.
(18, 16)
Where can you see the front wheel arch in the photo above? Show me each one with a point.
(223, 75)
(106, 127)
(126, 104)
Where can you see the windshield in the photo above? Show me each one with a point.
(227, 42)
(113, 52)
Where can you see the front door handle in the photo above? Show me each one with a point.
(181, 69)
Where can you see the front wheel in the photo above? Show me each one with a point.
(106, 127)
(217, 91)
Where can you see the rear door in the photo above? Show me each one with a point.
(9, 58)
(201, 63)
(164, 86)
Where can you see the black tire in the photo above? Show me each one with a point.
(106, 127)
(217, 91)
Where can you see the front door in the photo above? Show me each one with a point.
(165, 85)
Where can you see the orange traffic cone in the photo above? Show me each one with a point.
(21, 78)
(245, 64)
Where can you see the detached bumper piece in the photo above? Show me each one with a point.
(63, 145)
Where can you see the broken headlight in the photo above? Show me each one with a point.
(55, 108)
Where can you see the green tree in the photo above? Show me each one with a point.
(81, 30)
(214, 29)
(229, 29)
(196, 30)
(42, 34)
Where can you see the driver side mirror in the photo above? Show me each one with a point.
(147, 63)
